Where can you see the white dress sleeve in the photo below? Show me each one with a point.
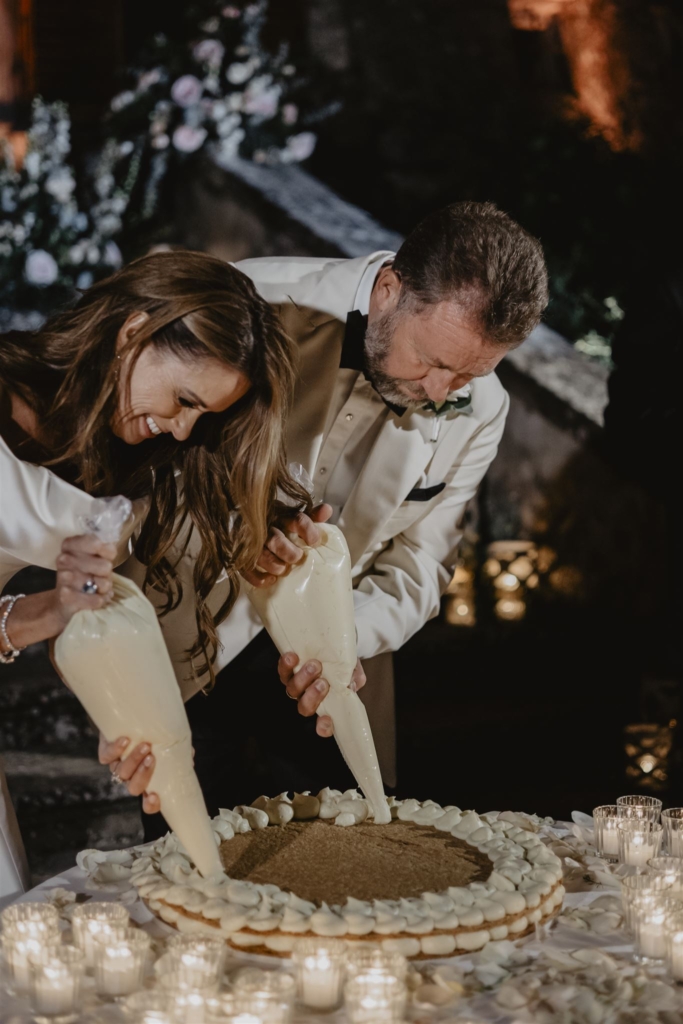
(38, 511)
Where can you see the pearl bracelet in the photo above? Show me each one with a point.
(10, 653)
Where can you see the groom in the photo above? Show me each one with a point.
(397, 415)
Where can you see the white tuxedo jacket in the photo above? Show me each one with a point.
(403, 552)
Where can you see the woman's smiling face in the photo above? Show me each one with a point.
(166, 393)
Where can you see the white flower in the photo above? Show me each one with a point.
(186, 90)
(230, 12)
(212, 25)
(126, 148)
(148, 79)
(290, 112)
(81, 221)
(112, 255)
(32, 164)
(7, 203)
(228, 125)
(160, 141)
(239, 72)
(261, 98)
(93, 255)
(187, 139)
(84, 280)
(60, 184)
(19, 234)
(104, 184)
(123, 99)
(109, 224)
(77, 253)
(41, 268)
(209, 51)
(299, 147)
(229, 146)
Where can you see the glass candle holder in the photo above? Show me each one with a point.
(672, 820)
(91, 919)
(319, 971)
(55, 984)
(268, 995)
(638, 806)
(31, 919)
(374, 960)
(193, 1006)
(670, 871)
(148, 1007)
(674, 945)
(650, 912)
(606, 836)
(374, 997)
(120, 961)
(190, 979)
(639, 842)
(201, 970)
(18, 948)
(634, 886)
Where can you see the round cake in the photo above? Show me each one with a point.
(433, 882)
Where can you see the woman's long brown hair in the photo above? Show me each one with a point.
(233, 468)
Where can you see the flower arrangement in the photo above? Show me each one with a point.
(221, 90)
(49, 247)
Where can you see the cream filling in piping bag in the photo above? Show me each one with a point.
(116, 662)
(310, 611)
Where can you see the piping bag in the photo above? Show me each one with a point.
(116, 662)
(310, 611)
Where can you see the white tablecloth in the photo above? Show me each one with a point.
(541, 964)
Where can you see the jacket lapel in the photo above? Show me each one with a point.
(397, 460)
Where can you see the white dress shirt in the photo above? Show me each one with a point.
(355, 418)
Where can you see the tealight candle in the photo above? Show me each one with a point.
(319, 967)
(55, 984)
(91, 919)
(34, 920)
(672, 820)
(674, 945)
(373, 997)
(268, 995)
(197, 960)
(650, 913)
(634, 886)
(647, 808)
(119, 961)
(374, 960)
(639, 841)
(670, 871)
(606, 818)
(17, 948)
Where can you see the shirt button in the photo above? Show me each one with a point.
(323, 471)
(349, 417)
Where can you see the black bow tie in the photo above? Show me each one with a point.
(353, 352)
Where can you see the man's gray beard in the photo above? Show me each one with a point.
(378, 337)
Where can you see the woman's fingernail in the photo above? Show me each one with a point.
(148, 760)
(124, 741)
(145, 748)
(321, 686)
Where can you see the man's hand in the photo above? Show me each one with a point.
(280, 554)
(135, 770)
(306, 687)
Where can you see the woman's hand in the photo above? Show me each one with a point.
(306, 687)
(83, 559)
(280, 554)
(135, 770)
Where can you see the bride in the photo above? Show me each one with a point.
(174, 365)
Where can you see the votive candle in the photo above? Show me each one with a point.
(319, 969)
(17, 948)
(639, 841)
(606, 818)
(91, 919)
(373, 997)
(120, 961)
(674, 945)
(670, 871)
(34, 920)
(375, 960)
(637, 805)
(672, 820)
(55, 983)
(268, 995)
